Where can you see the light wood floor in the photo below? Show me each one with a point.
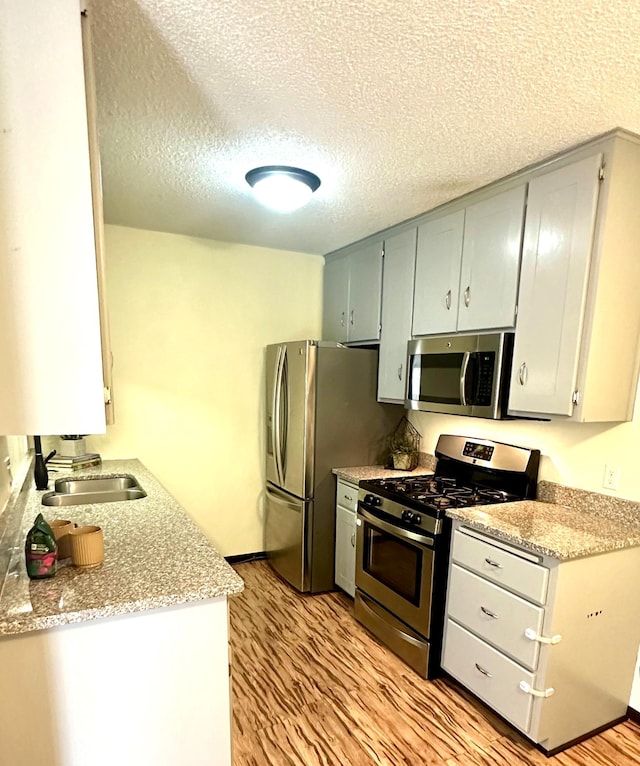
(311, 686)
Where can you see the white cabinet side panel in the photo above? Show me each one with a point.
(149, 688)
(47, 254)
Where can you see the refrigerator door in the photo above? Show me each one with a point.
(291, 369)
(286, 533)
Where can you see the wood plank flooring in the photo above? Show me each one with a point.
(312, 688)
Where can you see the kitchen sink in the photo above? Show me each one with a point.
(94, 489)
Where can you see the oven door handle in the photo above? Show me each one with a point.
(392, 529)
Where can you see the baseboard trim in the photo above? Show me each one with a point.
(244, 558)
(633, 714)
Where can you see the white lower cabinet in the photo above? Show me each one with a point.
(550, 645)
(345, 567)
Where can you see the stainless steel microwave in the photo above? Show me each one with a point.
(460, 374)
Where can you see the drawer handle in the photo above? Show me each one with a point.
(353, 539)
(350, 499)
(493, 563)
(492, 614)
(483, 671)
(528, 689)
(533, 636)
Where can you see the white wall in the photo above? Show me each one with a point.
(574, 454)
(189, 322)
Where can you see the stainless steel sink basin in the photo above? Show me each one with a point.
(95, 489)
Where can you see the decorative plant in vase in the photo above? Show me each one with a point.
(404, 446)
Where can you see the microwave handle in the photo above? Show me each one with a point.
(463, 378)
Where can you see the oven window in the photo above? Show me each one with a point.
(436, 378)
(393, 562)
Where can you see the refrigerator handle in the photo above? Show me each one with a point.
(277, 393)
(284, 402)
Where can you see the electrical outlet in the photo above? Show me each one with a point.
(611, 479)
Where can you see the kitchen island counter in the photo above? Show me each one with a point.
(155, 556)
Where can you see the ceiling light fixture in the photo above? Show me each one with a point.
(281, 187)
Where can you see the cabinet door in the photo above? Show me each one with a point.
(491, 261)
(345, 572)
(437, 277)
(556, 255)
(397, 298)
(50, 341)
(365, 292)
(335, 299)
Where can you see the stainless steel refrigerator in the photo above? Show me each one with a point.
(321, 413)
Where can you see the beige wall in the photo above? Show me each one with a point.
(189, 322)
(574, 454)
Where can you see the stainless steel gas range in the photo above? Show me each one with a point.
(403, 536)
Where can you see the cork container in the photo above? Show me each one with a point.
(61, 529)
(87, 546)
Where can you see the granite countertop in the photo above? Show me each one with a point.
(155, 556)
(554, 530)
(354, 474)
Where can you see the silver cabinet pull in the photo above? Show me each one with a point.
(488, 613)
(523, 374)
(351, 316)
(447, 300)
(493, 563)
(483, 671)
(467, 296)
(342, 319)
(353, 540)
(349, 498)
(400, 372)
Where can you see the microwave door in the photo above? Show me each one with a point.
(441, 382)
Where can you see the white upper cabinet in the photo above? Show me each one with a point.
(352, 294)
(491, 261)
(576, 346)
(467, 266)
(336, 300)
(397, 295)
(437, 275)
(555, 266)
(50, 346)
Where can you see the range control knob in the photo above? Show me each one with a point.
(410, 517)
(372, 500)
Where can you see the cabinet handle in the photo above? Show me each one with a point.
(493, 563)
(523, 374)
(488, 613)
(528, 689)
(353, 539)
(400, 372)
(533, 636)
(447, 300)
(350, 499)
(483, 671)
(351, 316)
(467, 296)
(342, 319)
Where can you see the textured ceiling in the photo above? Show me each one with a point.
(397, 105)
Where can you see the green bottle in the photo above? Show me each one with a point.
(40, 550)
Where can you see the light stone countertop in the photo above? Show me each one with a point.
(551, 529)
(155, 556)
(354, 474)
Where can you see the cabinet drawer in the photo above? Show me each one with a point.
(498, 565)
(347, 495)
(465, 657)
(494, 614)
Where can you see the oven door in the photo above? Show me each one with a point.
(394, 566)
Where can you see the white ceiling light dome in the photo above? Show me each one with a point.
(281, 187)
